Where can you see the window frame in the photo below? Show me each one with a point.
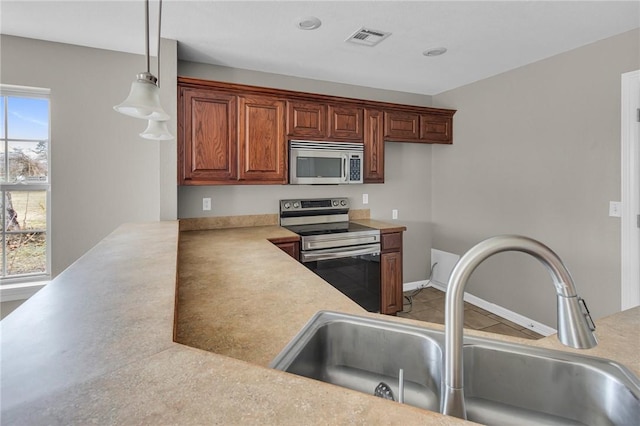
(7, 91)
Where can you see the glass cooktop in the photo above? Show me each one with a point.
(328, 228)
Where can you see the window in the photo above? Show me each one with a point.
(24, 184)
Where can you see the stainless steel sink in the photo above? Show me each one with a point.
(359, 354)
(504, 383)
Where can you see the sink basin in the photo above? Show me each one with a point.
(359, 354)
(504, 383)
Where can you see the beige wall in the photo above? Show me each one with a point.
(407, 175)
(537, 152)
(103, 174)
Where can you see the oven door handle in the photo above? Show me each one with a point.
(339, 253)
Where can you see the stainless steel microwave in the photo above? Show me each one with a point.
(321, 163)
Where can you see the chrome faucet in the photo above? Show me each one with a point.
(575, 326)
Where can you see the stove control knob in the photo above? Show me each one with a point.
(287, 205)
(343, 202)
(335, 203)
(296, 204)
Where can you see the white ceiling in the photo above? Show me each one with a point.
(483, 38)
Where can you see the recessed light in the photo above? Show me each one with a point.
(309, 23)
(435, 51)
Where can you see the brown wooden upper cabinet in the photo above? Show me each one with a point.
(322, 121)
(373, 171)
(230, 134)
(229, 139)
(346, 122)
(403, 126)
(306, 119)
(263, 148)
(436, 128)
(207, 124)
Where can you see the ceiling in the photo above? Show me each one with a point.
(483, 38)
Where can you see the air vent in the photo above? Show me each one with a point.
(367, 37)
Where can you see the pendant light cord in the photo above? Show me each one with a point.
(147, 37)
(146, 34)
(159, 22)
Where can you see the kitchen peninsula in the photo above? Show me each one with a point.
(97, 344)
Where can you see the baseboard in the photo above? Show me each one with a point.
(415, 285)
(528, 323)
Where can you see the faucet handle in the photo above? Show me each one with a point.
(586, 313)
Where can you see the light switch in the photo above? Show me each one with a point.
(394, 214)
(365, 198)
(615, 209)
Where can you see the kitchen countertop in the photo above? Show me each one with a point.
(254, 309)
(241, 296)
(96, 344)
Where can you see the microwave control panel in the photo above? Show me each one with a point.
(355, 169)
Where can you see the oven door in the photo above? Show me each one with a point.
(355, 271)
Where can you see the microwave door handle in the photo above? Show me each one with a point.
(344, 168)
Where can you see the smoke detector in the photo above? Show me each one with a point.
(367, 37)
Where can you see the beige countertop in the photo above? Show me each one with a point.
(241, 296)
(96, 344)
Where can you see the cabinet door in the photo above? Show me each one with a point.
(208, 137)
(373, 147)
(291, 248)
(306, 119)
(345, 122)
(391, 241)
(261, 138)
(436, 128)
(401, 125)
(391, 278)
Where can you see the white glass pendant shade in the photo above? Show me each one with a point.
(143, 100)
(157, 130)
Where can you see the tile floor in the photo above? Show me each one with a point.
(428, 305)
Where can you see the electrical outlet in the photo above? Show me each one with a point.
(365, 198)
(206, 204)
(615, 209)
(394, 214)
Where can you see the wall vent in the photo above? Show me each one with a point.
(367, 37)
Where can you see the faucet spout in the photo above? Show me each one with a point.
(575, 327)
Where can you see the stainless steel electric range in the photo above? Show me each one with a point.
(343, 253)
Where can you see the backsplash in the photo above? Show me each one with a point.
(243, 221)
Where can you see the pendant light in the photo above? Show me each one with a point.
(144, 98)
(157, 130)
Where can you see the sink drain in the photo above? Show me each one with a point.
(384, 391)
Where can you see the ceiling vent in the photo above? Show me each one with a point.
(367, 37)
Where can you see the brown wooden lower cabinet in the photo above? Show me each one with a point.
(292, 248)
(391, 273)
(391, 294)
